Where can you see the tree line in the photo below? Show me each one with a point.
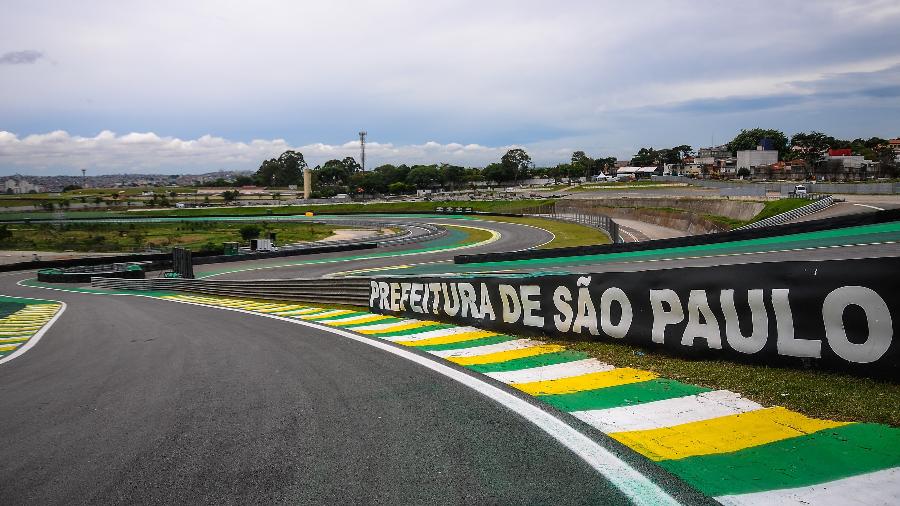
(344, 175)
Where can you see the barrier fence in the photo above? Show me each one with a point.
(838, 314)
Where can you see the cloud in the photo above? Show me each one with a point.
(59, 151)
(21, 57)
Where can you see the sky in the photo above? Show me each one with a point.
(189, 87)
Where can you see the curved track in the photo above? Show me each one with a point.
(131, 399)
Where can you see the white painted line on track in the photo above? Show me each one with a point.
(37, 336)
(631, 483)
(668, 412)
(870, 207)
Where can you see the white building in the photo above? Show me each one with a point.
(20, 186)
(758, 157)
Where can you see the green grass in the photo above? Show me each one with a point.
(566, 234)
(472, 235)
(774, 207)
(116, 237)
(820, 394)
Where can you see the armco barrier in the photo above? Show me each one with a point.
(84, 274)
(350, 291)
(789, 216)
(694, 240)
(839, 314)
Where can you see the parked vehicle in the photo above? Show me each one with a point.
(800, 191)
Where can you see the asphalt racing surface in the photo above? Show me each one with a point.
(136, 400)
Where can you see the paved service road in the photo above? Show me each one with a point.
(137, 400)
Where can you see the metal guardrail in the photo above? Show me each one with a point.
(350, 291)
(782, 218)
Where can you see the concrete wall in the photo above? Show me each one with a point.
(735, 209)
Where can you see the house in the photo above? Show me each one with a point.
(759, 157)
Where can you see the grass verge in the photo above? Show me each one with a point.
(820, 394)
(566, 234)
(116, 237)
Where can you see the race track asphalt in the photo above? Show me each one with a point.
(135, 400)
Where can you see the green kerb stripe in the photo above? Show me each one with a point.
(484, 341)
(624, 395)
(816, 458)
(529, 362)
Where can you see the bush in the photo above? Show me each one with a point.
(249, 232)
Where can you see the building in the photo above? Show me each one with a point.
(748, 159)
(640, 172)
(841, 165)
(895, 145)
(21, 186)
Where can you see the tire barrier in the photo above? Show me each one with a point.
(694, 240)
(349, 291)
(85, 273)
(779, 219)
(838, 314)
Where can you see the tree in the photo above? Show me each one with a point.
(351, 165)
(71, 187)
(811, 147)
(249, 232)
(285, 170)
(400, 187)
(452, 175)
(646, 157)
(333, 173)
(229, 195)
(582, 164)
(368, 182)
(5, 233)
(498, 173)
(749, 139)
(743, 172)
(517, 162)
(423, 176)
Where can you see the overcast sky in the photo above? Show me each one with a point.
(125, 86)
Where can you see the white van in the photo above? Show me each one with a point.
(800, 190)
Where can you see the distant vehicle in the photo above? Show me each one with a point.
(625, 177)
(800, 191)
(340, 196)
(602, 177)
(180, 205)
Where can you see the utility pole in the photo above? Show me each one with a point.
(362, 149)
(83, 179)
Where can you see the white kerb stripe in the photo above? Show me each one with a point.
(351, 319)
(668, 412)
(384, 326)
(518, 344)
(552, 372)
(433, 333)
(878, 488)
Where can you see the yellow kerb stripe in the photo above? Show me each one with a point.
(722, 435)
(452, 338)
(362, 319)
(398, 328)
(9, 347)
(503, 356)
(590, 381)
